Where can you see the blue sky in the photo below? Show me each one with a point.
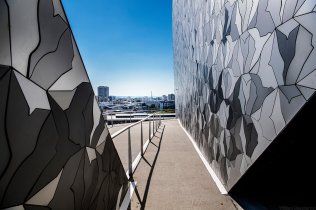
(125, 44)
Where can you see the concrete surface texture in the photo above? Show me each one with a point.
(171, 175)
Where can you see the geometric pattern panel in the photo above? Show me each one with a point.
(55, 150)
(243, 70)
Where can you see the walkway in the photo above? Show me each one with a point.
(171, 175)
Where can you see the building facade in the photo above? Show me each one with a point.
(166, 105)
(55, 151)
(103, 93)
(171, 97)
(243, 71)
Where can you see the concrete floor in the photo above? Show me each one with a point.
(171, 175)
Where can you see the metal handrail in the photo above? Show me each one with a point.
(110, 122)
(155, 125)
(129, 126)
(132, 165)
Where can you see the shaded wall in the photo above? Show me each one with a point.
(55, 151)
(243, 70)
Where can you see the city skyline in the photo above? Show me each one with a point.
(132, 96)
(125, 45)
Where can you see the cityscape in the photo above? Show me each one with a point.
(111, 103)
(122, 109)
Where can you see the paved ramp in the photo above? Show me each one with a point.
(172, 176)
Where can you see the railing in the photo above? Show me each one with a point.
(116, 118)
(154, 123)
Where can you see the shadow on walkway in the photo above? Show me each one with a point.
(156, 142)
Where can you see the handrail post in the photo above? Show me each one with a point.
(141, 139)
(159, 119)
(112, 119)
(156, 123)
(149, 126)
(153, 125)
(130, 167)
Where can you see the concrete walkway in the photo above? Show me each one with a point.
(172, 176)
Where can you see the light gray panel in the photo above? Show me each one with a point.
(302, 51)
(96, 117)
(289, 10)
(251, 52)
(288, 27)
(54, 64)
(259, 43)
(91, 154)
(63, 98)
(287, 108)
(252, 98)
(309, 81)
(24, 32)
(307, 7)
(307, 92)
(35, 96)
(290, 92)
(74, 77)
(51, 29)
(58, 10)
(266, 72)
(242, 99)
(20, 207)
(308, 21)
(5, 52)
(266, 26)
(234, 29)
(274, 7)
(100, 148)
(299, 4)
(276, 62)
(45, 195)
(266, 122)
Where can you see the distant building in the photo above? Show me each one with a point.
(153, 104)
(145, 99)
(167, 105)
(164, 97)
(103, 93)
(171, 97)
(112, 98)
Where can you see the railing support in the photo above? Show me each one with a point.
(153, 125)
(149, 128)
(130, 167)
(112, 119)
(160, 120)
(156, 124)
(141, 139)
